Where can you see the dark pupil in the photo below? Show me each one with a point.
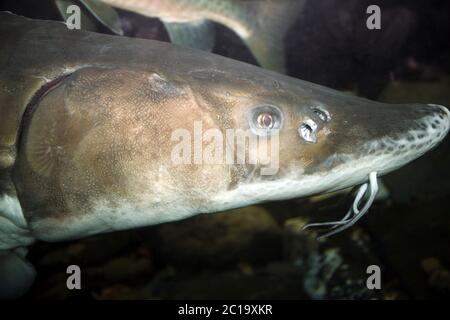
(265, 120)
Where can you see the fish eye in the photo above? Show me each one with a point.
(307, 130)
(323, 114)
(265, 120)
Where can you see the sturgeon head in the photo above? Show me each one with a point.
(315, 139)
(119, 133)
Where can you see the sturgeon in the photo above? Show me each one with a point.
(89, 126)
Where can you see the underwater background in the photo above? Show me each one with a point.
(260, 252)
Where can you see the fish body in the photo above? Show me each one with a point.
(91, 126)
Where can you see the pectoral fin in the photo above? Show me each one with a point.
(199, 34)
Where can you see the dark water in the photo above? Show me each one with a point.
(258, 252)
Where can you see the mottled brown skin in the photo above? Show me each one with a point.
(101, 133)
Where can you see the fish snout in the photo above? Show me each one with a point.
(441, 121)
(427, 130)
(413, 138)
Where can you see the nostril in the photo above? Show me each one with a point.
(308, 130)
(323, 114)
